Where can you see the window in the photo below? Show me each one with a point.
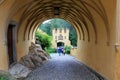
(65, 37)
(65, 30)
(60, 37)
(60, 30)
(55, 37)
(56, 30)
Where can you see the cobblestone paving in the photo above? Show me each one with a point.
(62, 68)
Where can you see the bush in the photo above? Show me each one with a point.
(67, 49)
(6, 76)
(50, 50)
(44, 39)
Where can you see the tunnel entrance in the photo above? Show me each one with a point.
(93, 20)
(56, 33)
(11, 46)
(60, 44)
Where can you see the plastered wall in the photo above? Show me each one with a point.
(23, 43)
(117, 62)
(100, 58)
(4, 11)
(99, 55)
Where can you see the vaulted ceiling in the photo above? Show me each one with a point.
(77, 12)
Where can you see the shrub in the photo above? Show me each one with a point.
(67, 49)
(45, 40)
(6, 76)
(50, 50)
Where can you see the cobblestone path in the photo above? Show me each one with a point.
(62, 68)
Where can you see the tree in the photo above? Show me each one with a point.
(46, 28)
(44, 39)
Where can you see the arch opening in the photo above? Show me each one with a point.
(60, 44)
(62, 33)
(91, 20)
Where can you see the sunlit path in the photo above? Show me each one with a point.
(62, 68)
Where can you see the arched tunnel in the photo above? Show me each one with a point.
(95, 21)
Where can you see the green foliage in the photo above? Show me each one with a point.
(6, 76)
(73, 38)
(67, 49)
(50, 50)
(3, 77)
(44, 39)
(46, 28)
(59, 23)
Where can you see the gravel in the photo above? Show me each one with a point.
(62, 68)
